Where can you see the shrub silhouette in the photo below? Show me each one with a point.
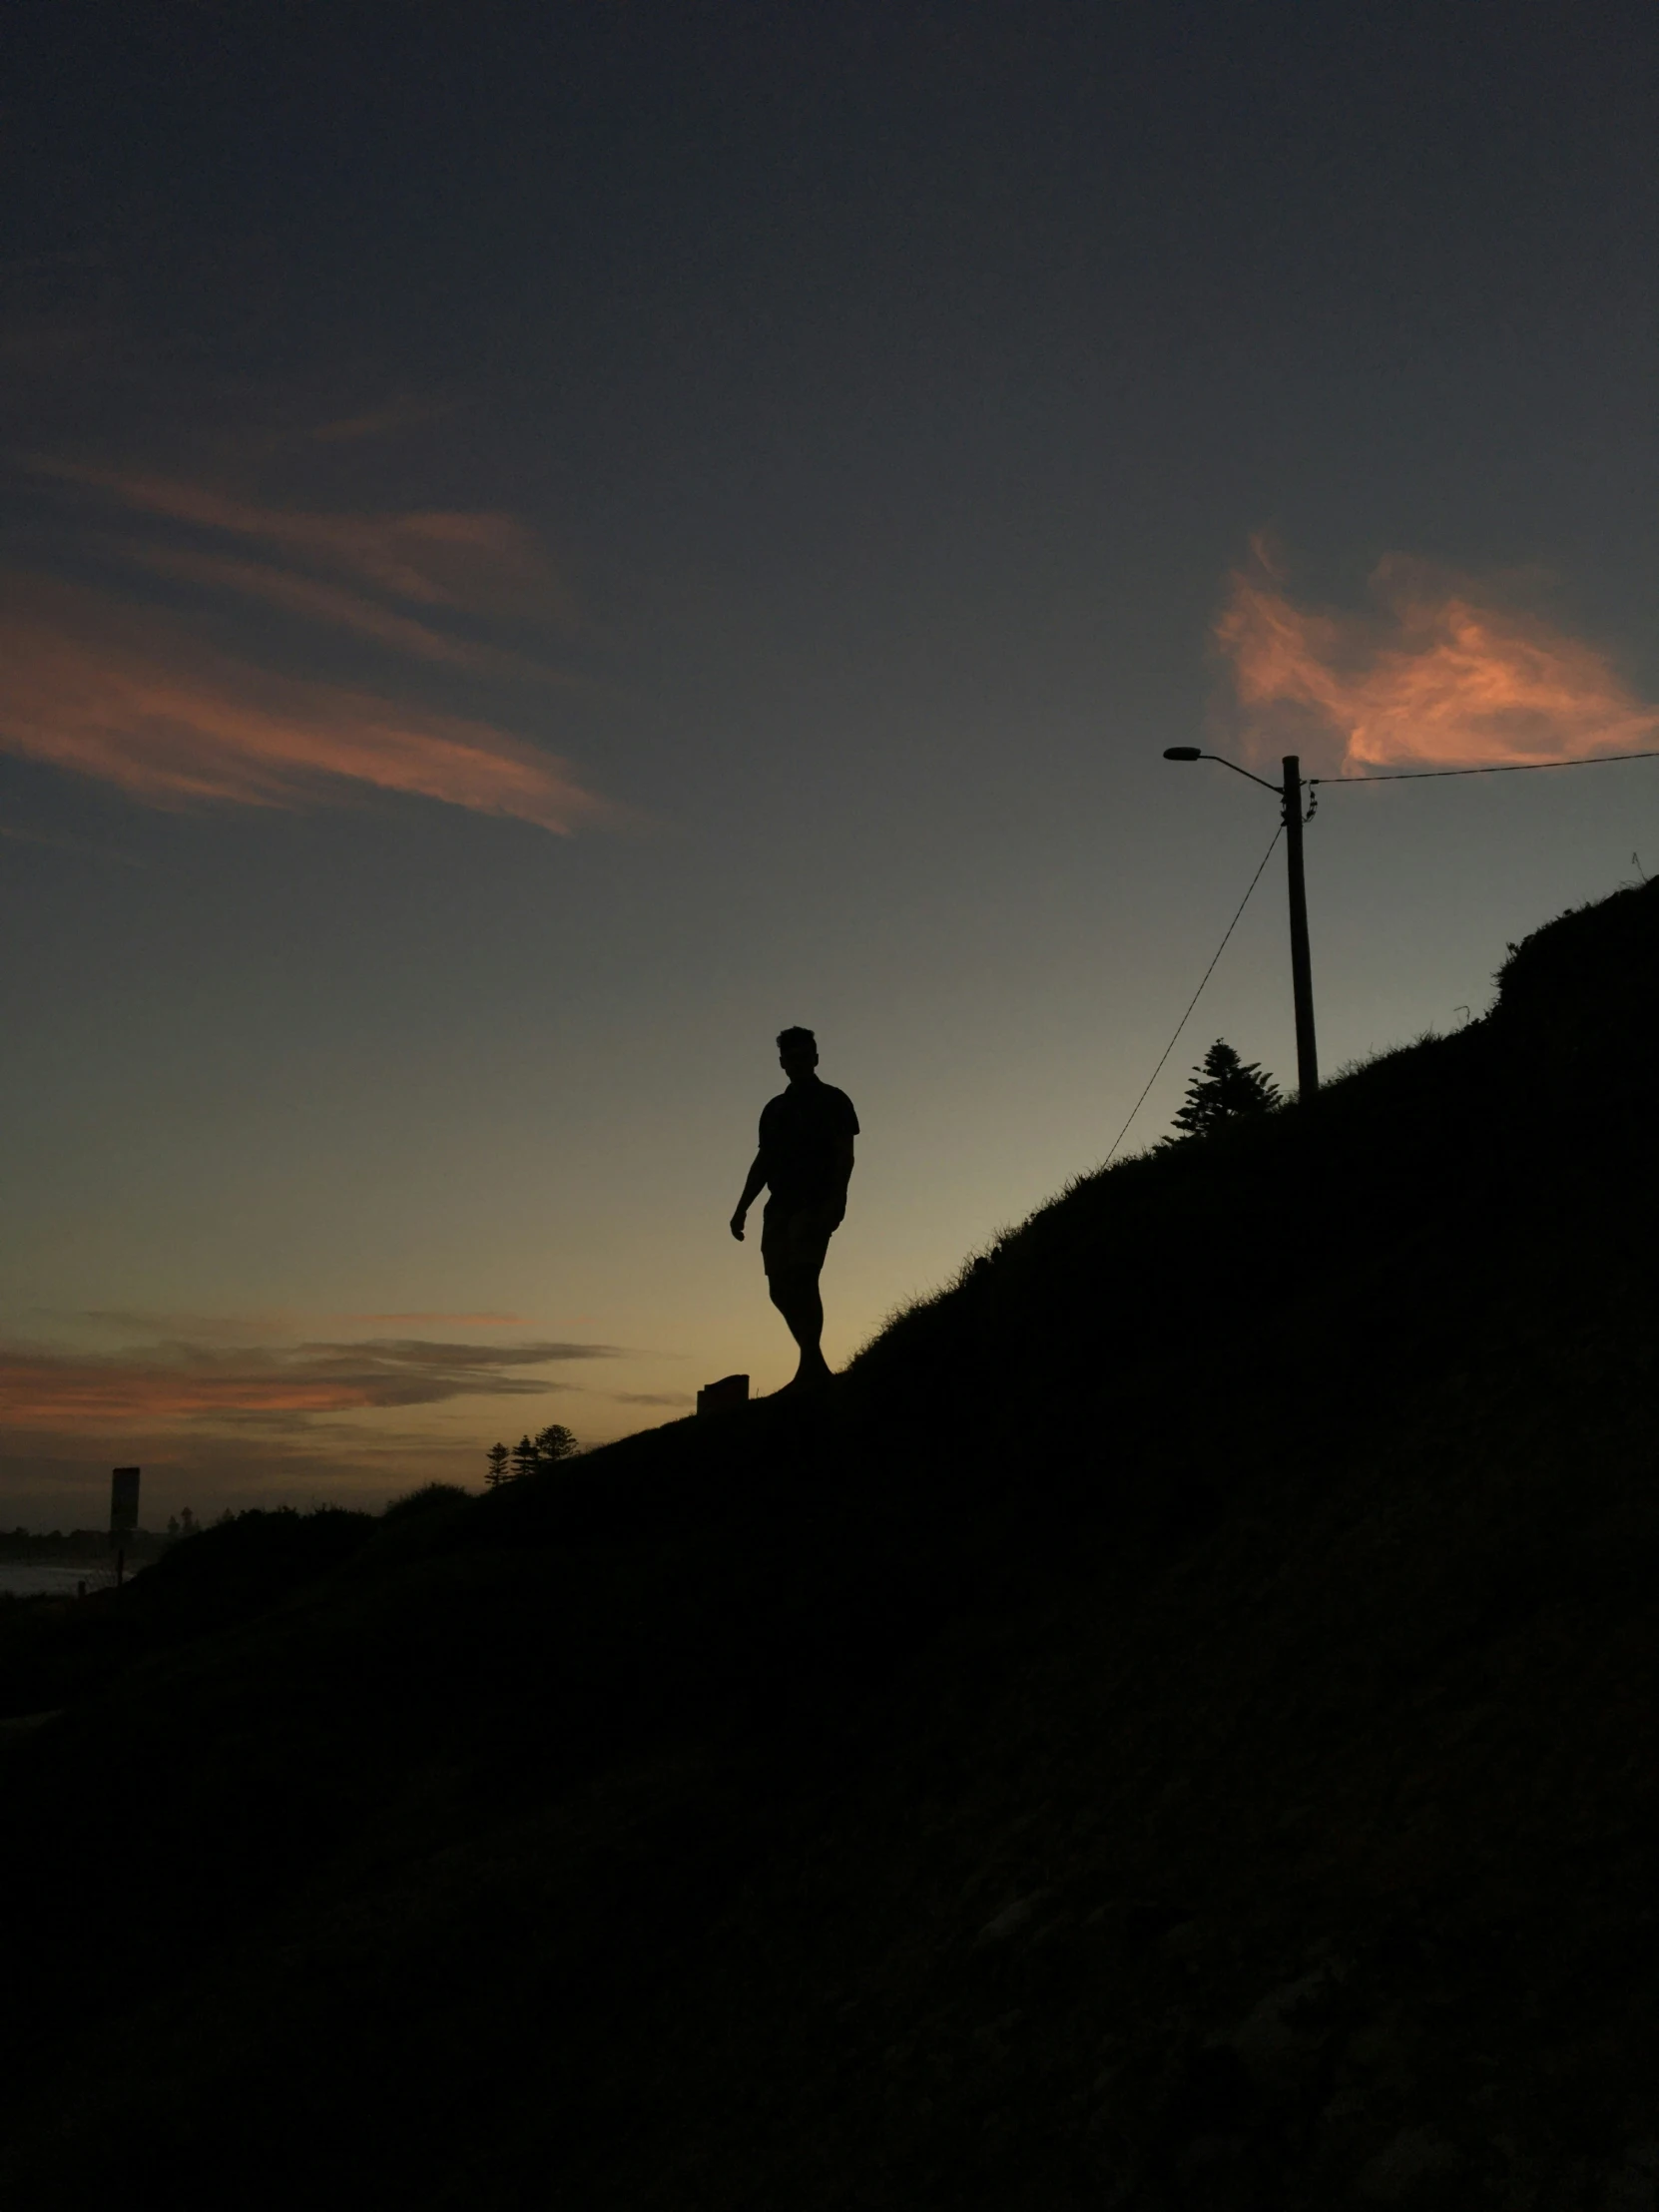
(430, 1498)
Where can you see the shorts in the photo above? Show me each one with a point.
(794, 1241)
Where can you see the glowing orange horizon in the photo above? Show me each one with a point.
(1438, 675)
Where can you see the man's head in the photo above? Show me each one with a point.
(796, 1053)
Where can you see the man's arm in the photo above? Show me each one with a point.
(843, 1168)
(752, 1190)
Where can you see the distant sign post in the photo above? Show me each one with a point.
(124, 1509)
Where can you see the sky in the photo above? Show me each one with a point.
(541, 545)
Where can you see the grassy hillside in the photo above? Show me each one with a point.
(1173, 1727)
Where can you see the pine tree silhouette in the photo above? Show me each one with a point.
(524, 1458)
(1222, 1089)
(497, 1455)
(553, 1444)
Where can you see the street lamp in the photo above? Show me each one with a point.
(1289, 794)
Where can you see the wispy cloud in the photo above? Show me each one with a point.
(214, 700)
(137, 701)
(1439, 671)
(340, 609)
(147, 1324)
(651, 1397)
(396, 415)
(485, 562)
(455, 1321)
(157, 1385)
(275, 1327)
(421, 1352)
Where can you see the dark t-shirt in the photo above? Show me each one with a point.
(803, 1132)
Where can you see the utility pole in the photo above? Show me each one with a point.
(1289, 794)
(124, 1503)
(1302, 972)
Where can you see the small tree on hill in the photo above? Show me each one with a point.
(1223, 1089)
(524, 1458)
(553, 1444)
(497, 1455)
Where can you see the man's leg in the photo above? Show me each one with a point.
(795, 1292)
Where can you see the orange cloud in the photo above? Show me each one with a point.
(94, 687)
(483, 562)
(184, 1383)
(1437, 672)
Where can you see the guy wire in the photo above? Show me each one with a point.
(1193, 1001)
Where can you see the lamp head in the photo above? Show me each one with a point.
(1182, 752)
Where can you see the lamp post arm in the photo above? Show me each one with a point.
(1276, 788)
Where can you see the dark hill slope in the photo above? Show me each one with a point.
(1173, 1728)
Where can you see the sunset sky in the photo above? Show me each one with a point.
(544, 544)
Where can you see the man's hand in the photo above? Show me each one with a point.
(753, 1187)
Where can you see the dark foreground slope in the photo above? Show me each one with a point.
(1173, 1728)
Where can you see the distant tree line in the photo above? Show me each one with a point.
(530, 1454)
(91, 1544)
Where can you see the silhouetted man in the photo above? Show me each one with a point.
(806, 1162)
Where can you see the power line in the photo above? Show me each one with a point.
(1497, 768)
(1193, 1001)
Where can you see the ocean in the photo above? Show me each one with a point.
(32, 1579)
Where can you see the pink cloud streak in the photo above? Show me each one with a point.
(134, 700)
(70, 1392)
